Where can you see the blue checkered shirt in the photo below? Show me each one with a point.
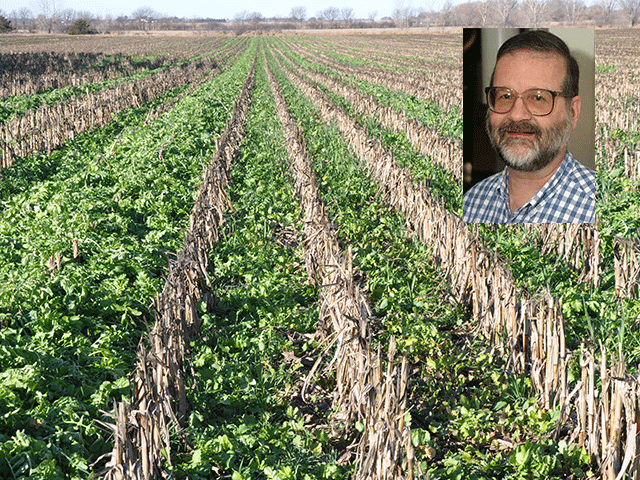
(568, 197)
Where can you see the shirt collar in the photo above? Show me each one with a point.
(548, 189)
(503, 184)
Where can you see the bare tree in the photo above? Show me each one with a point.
(573, 10)
(255, 18)
(331, 15)
(67, 16)
(105, 24)
(347, 15)
(372, 15)
(145, 16)
(606, 7)
(505, 9)
(427, 19)
(47, 17)
(87, 15)
(298, 14)
(241, 20)
(632, 10)
(24, 15)
(402, 13)
(537, 9)
(241, 16)
(484, 10)
(447, 13)
(463, 14)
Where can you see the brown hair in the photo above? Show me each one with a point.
(543, 41)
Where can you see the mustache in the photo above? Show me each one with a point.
(519, 127)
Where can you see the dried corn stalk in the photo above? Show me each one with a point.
(141, 433)
(533, 328)
(364, 393)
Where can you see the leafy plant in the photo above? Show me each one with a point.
(245, 424)
(72, 316)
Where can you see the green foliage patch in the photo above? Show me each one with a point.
(245, 423)
(470, 419)
(74, 323)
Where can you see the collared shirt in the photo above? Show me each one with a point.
(568, 197)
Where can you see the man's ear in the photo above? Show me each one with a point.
(575, 111)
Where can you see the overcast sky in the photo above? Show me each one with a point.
(220, 8)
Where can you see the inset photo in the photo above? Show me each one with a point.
(529, 125)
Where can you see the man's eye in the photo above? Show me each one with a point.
(538, 98)
(505, 96)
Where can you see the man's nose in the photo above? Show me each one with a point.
(519, 110)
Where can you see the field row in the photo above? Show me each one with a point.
(83, 254)
(69, 45)
(26, 73)
(422, 80)
(584, 244)
(47, 127)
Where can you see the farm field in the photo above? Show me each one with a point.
(243, 258)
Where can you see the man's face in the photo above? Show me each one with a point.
(527, 142)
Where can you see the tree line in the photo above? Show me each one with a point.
(480, 13)
(536, 13)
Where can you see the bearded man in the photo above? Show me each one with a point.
(533, 108)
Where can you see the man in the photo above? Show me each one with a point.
(533, 108)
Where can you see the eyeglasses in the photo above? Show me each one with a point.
(539, 102)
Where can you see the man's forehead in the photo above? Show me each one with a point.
(530, 56)
(528, 62)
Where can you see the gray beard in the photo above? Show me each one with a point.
(543, 148)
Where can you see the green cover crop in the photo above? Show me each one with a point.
(70, 325)
(86, 230)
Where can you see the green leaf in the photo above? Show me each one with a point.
(500, 405)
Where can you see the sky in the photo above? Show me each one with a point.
(219, 9)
